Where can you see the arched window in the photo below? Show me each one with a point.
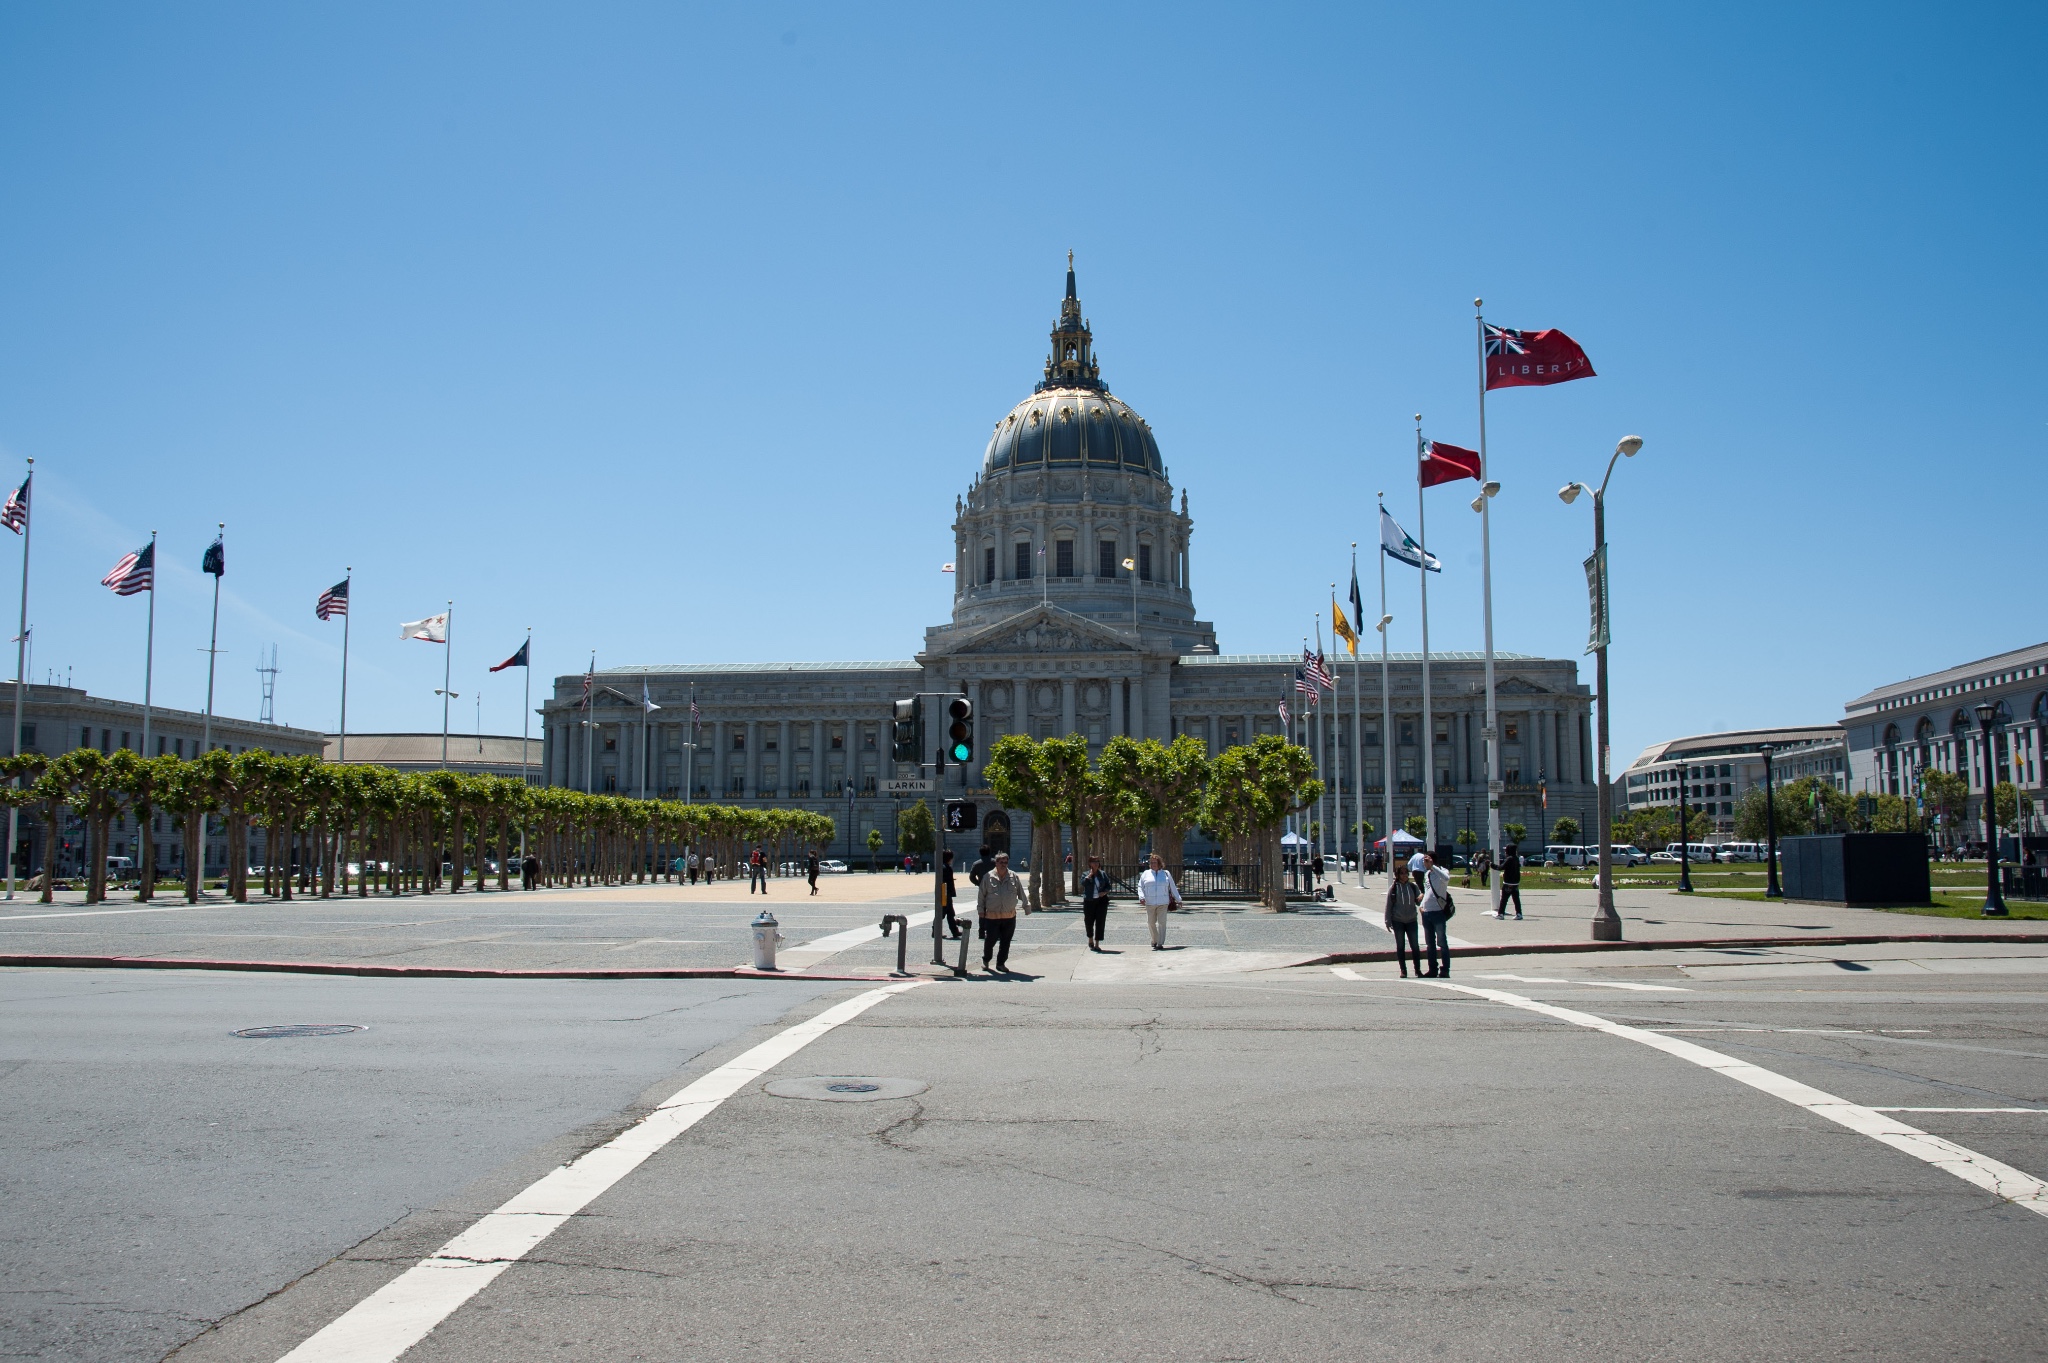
(1959, 724)
(1891, 735)
(2041, 708)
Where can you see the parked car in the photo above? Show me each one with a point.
(832, 866)
(1202, 864)
(1664, 858)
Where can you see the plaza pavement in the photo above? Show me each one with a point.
(1204, 1153)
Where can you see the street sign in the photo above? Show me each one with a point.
(911, 785)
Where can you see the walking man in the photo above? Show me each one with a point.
(1436, 912)
(1160, 896)
(945, 909)
(1095, 902)
(811, 869)
(1510, 882)
(995, 907)
(529, 872)
(984, 862)
(757, 871)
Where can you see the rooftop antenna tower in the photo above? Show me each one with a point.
(268, 671)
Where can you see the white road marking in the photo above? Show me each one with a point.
(2001, 1180)
(1597, 984)
(1959, 1109)
(401, 1313)
(808, 954)
(1345, 972)
(101, 913)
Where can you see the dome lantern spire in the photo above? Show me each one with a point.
(1072, 363)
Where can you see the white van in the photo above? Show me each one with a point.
(1741, 851)
(1694, 851)
(1569, 854)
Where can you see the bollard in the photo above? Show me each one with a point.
(966, 939)
(902, 939)
(938, 938)
(765, 940)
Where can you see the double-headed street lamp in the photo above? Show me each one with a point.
(1684, 836)
(1771, 890)
(1606, 922)
(1994, 895)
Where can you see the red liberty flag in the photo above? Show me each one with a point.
(1441, 463)
(1532, 359)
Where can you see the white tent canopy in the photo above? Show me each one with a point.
(1402, 838)
(1293, 840)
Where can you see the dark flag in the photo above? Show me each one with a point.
(516, 660)
(1357, 606)
(216, 560)
(135, 572)
(15, 514)
(1532, 359)
(1443, 463)
(333, 601)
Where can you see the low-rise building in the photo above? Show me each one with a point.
(1900, 730)
(474, 754)
(58, 719)
(1716, 770)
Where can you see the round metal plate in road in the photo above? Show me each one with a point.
(846, 1088)
(272, 1033)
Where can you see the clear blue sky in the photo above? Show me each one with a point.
(674, 333)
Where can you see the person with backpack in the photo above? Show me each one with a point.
(1402, 898)
(1510, 883)
(1437, 908)
(757, 871)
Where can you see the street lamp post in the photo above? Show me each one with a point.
(1606, 922)
(1771, 890)
(1684, 837)
(1994, 895)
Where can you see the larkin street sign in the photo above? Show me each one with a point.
(911, 785)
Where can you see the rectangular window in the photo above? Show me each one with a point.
(739, 741)
(1513, 731)
(611, 742)
(1232, 736)
(124, 738)
(836, 738)
(160, 742)
(769, 742)
(1144, 563)
(1408, 731)
(1105, 559)
(1023, 573)
(867, 738)
(28, 736)
(106, 740)
(1063, 558)
(988, 565)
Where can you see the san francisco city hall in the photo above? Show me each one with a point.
(1052, 634)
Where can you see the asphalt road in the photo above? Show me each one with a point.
(159, 1173)
(1295, 1165)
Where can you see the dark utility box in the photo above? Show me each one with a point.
(1856, 868)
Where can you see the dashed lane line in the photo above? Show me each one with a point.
(2001, 1180)
(401, 1313)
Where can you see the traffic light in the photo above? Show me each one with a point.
(960, 731)
(906, 731)
(961, 815)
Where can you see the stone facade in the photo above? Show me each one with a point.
(1073, 613)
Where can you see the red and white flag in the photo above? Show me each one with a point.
(1532, 359)
(1441, 463)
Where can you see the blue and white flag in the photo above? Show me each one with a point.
(1395, 543)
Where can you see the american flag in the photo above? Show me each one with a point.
(15, 514)
(135, 572)
(333, 601)
(1318, 671)
(1304, 687)
(1286, 718)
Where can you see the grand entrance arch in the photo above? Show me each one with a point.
(995, 831)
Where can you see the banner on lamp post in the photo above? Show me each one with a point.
(1596, 595)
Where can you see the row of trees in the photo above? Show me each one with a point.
(1811, 804)
(396, 830)
(1140, 790)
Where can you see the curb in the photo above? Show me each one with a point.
(1689, 944)
(413, 972)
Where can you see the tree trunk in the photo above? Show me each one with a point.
(146, 842)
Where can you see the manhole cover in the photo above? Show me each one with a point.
(300, 1029)
(846, 1088)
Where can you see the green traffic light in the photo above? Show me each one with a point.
(961, 752)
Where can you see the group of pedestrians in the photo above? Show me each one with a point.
(1420, 893)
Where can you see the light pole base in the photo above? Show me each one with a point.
(1993, 909)
(1607, 929)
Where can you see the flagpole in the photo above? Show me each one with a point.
(1323, 801)
(1357, 739)
(447, 674)
(1386, 709)
(149, 643)
(1428, 712)
(526, 723)
(690, 753)
(1494, 784)
(212, 652)
(589, 718)
(348, 588)
(20, 667)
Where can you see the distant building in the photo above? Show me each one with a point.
(477, 755)
(59, 719)
(1902, 729)
(1716, 770)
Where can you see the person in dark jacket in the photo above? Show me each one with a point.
(1095, 902)
(946, 895)
(984, 862)
(1402, 918)
(1510, 882)
(811, 870)
(529, 872)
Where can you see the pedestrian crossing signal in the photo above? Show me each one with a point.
(960, 731)
(961, 815)
(906, 731)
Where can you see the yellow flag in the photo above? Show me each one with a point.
(1342, 627)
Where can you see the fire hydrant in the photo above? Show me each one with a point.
(765, 940)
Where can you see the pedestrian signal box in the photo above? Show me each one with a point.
(906, 731)
(961, 815)
(960, 731)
